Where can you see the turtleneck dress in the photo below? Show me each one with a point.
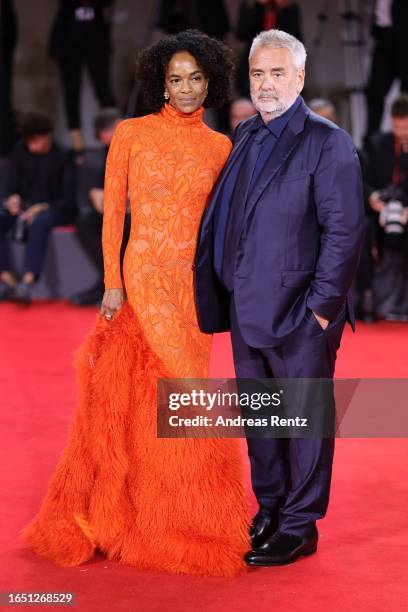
(168, 163)
(169, 504)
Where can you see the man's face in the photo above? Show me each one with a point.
(275, 81)
(400, 129)
(39, 144)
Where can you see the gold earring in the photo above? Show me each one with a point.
(166, 96)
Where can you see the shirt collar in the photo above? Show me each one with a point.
(277, 125)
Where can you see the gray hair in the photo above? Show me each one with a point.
(277, 39)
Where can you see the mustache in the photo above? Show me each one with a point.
(267, 97)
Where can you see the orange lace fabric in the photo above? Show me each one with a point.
(167, 164)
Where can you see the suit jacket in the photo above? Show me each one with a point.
(301, 238)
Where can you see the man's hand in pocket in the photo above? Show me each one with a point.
(322, 322)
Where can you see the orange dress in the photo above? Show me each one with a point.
(168, 163)
(175, 505)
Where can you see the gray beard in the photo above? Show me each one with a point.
(279, 111)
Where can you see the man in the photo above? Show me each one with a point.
(81, 36)
(41, 186)
(89, 223)
(386, 183)
(278, 250)
(389, 61)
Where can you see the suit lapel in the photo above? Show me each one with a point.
(239, 147)
(283, 148)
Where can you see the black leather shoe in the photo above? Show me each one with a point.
(23, 293)
(7, 292)
(281, 548)
(263, 526)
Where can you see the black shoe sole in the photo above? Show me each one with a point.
(263, 563)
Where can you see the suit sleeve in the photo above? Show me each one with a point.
(338, 194)
(115, 198)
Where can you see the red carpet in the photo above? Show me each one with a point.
(361, 563)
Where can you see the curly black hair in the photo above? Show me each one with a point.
(215, 59)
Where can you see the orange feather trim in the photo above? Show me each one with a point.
(174, 505)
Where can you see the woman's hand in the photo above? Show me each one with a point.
(96, 197)
(113, 300)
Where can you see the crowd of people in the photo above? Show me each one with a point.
(43, 177)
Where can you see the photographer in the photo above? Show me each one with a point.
(386, 178)
(40, 196)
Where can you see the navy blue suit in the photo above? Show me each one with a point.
(297, 253)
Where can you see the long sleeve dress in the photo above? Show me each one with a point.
(168, 163)
(176, 505)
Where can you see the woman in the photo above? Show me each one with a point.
(169, 504)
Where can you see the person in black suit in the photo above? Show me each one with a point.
(257, 15)
(277, 253)
(8, 40)
(386, 178)
(389, 60)
(81, 36)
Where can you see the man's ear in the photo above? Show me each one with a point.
(301, 79)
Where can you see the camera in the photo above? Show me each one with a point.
(393, 218)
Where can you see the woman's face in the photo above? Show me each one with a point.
(185, 83)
